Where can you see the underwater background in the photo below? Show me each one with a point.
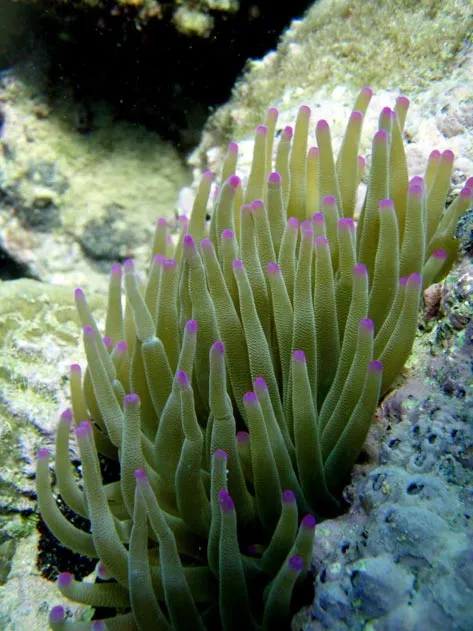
(109, 114)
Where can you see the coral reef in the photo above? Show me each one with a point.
(237, 387)
(401, 558)
(71, 203)
(117, 51)
(415, 44)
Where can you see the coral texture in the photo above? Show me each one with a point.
(237, 385)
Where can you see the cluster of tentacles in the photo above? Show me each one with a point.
(237, 380)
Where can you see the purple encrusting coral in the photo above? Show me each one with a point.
(236, 386)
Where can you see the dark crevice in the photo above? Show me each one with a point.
(149, 72)
(12, 269)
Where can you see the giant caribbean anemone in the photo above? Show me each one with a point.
(236, 385)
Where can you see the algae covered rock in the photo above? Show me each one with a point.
(38, 340)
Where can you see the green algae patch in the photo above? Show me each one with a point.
(39, 333)
(83, 174)
(413, 43)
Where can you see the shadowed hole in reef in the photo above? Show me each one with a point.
(414, 488)
(12, 269)
(53, 558)
(143, 67)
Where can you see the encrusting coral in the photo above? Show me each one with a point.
(237, 385)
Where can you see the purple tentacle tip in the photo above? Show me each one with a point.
(414, 279)
(259, 384)
(219, 454)
(360, 270)
(250, 398)
(84, 430)
(304, 110)
(402, 100)
(67, 415)
(191, 326)
(274, 178)
(89, 332)
(296, 563)
(299, 356)
(288, 497)
(140, 475)
(308, 233)
(129, 266)
(273, 269)
(416, 179)
(64, 579)
(218, 347)
(439, 254)
(308, 522)
(206, 244)
(386, 204)
(237, 264)
(56, 615)
(243, 438)
(356, 117)
(169, 264)
(381, 136)
(182, 379)
(233, 181)
(226, 502)
(228, 234)
(102, 572)
(366, 324)
(329, 200)
(116, 270)
(415, 190)
(322, 125)
(257, 205)
(121, 346)
(79, 294)
(321, 242)
(375, 366)
(448, 156)
(288, 132)
(43, 453)
(346, 223)
(261, 130)
(131, 399)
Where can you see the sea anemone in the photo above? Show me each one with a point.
(236, 386)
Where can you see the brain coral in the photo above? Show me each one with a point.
(236, 382)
